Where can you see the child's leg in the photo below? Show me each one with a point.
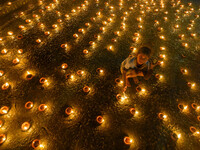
(128, 83)
(135, 79)
(131, 73)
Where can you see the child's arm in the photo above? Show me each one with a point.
(134, 74)
(124, 78)
(147, 74)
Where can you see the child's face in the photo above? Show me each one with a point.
(142, 58)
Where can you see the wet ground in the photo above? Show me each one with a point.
(63, 87)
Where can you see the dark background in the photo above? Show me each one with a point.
(81, 131)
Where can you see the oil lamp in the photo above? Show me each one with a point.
(4, 110)
(29, 105)
(162, 116)
(86, 89)
(2, 138)
(64, 66)
(10, 33)
(128, 140)
(85, 51)
(100, 119)
(5, 86)
(29, 76)
(69, 110)
(1, 73)
(36, 144)
(42, 107)
(80, 72)
(25, 126)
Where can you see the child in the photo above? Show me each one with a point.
(137, 65)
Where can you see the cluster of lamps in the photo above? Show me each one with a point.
(69, 110)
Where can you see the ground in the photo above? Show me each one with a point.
(63, 86)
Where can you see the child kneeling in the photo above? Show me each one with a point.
(137, 65)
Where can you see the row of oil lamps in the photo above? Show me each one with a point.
(69, 110)
(75, 35)
(38, 144)
(110, 47)
(42, 107)
(29, 75)
(64, 66)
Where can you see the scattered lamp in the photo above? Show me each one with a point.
(25, 126)
(42, 107)
(29, 105)
(100, 119)
(128, 140)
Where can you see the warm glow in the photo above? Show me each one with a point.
(42, 107)
(140, 26)
(20, 51)
(143, 90)
(1, 73)
(2, 138)
(29, 105)
(64, 66)
(54, 26)
(5, 86)
(193, 34)
(100, 119)
(38, 40)
(162, 48)
(10, 33)
(176, 26)
(77, 74)
(4, 110)
(15, 61)
(69, 110)
(98, 13)
(21, 27)
(25, 126)
(179, 136)
(185, 107)
(110, 48)
(162, 56)
(193, 85)
(162, 37)
(185, 44)
(139, 19)
(128, 140)
(4, 51)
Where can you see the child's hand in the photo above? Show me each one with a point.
(140, 73)
(124, 89)
(153, 65)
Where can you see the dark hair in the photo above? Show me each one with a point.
(144, 50)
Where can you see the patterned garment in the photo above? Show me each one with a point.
(131, 63)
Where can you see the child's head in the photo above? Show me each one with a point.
(143, 55)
